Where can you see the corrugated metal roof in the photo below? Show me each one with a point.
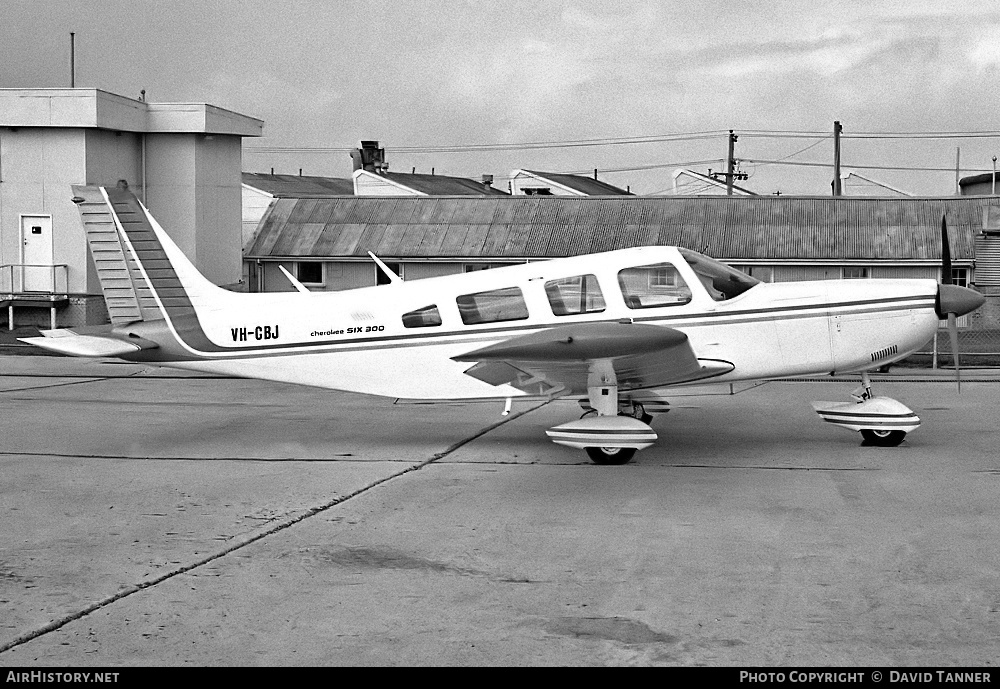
(516, 227)
(299, 186)
(442, 185)
(584, 185)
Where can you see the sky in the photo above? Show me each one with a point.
(635, 90)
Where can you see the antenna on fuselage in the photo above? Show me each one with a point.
(389, 272)
(291, 278)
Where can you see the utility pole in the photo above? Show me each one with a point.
(730, 174)
(837, 128)
(730, 163)
(958, 168)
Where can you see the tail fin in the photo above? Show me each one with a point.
(150, 287)
(143, 274)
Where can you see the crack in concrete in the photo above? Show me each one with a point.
(245, 541)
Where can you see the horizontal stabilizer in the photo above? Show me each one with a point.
(72, 344)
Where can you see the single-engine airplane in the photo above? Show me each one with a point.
(612, 330)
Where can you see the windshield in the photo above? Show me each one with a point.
(721, 281)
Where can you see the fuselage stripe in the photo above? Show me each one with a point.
(671, 320)
(178, 311)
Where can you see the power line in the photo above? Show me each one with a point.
(639, 168)
(475, 148)
(633, 140)
(859, 167)
(791, 134)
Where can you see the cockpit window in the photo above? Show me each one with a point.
(721, 281)
(652, 286)
(575, 295)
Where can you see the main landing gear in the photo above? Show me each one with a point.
(882, 421)
(626, 407)
(608, 433)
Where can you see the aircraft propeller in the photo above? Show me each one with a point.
(953, 300)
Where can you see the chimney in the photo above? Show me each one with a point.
(487, 180)
(369, 157)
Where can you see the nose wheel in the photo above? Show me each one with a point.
(881, 437)
(610, 455)
(882, 421)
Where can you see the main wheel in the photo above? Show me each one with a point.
(611, 455)
(882, 438)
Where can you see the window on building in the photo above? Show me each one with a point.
(960, 277)
(762, 273)
(309, 272)
(425, 317)
(571, 296)
(663, 277)
(854, 273)
(473, 267)
(493, 306)
(659, 284)
(381, 278)
(537, 191)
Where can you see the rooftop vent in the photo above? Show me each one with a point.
(369, 157)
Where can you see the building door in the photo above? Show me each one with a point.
(36, 254)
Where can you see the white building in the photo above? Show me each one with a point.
(691, 183)
(183, 160)
(533, 183)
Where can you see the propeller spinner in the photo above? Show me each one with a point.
(952, 300)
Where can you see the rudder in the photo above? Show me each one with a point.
(139, 277)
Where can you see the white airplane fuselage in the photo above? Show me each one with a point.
(355, 340)
(614, 330)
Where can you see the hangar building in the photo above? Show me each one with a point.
(774, 238)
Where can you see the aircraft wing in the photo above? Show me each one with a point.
(559, 360)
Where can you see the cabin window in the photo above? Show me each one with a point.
(647, 287)
(426, 317)
(493, 306)
(309, 272)
(575, 295)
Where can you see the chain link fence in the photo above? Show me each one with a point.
(976, 348)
